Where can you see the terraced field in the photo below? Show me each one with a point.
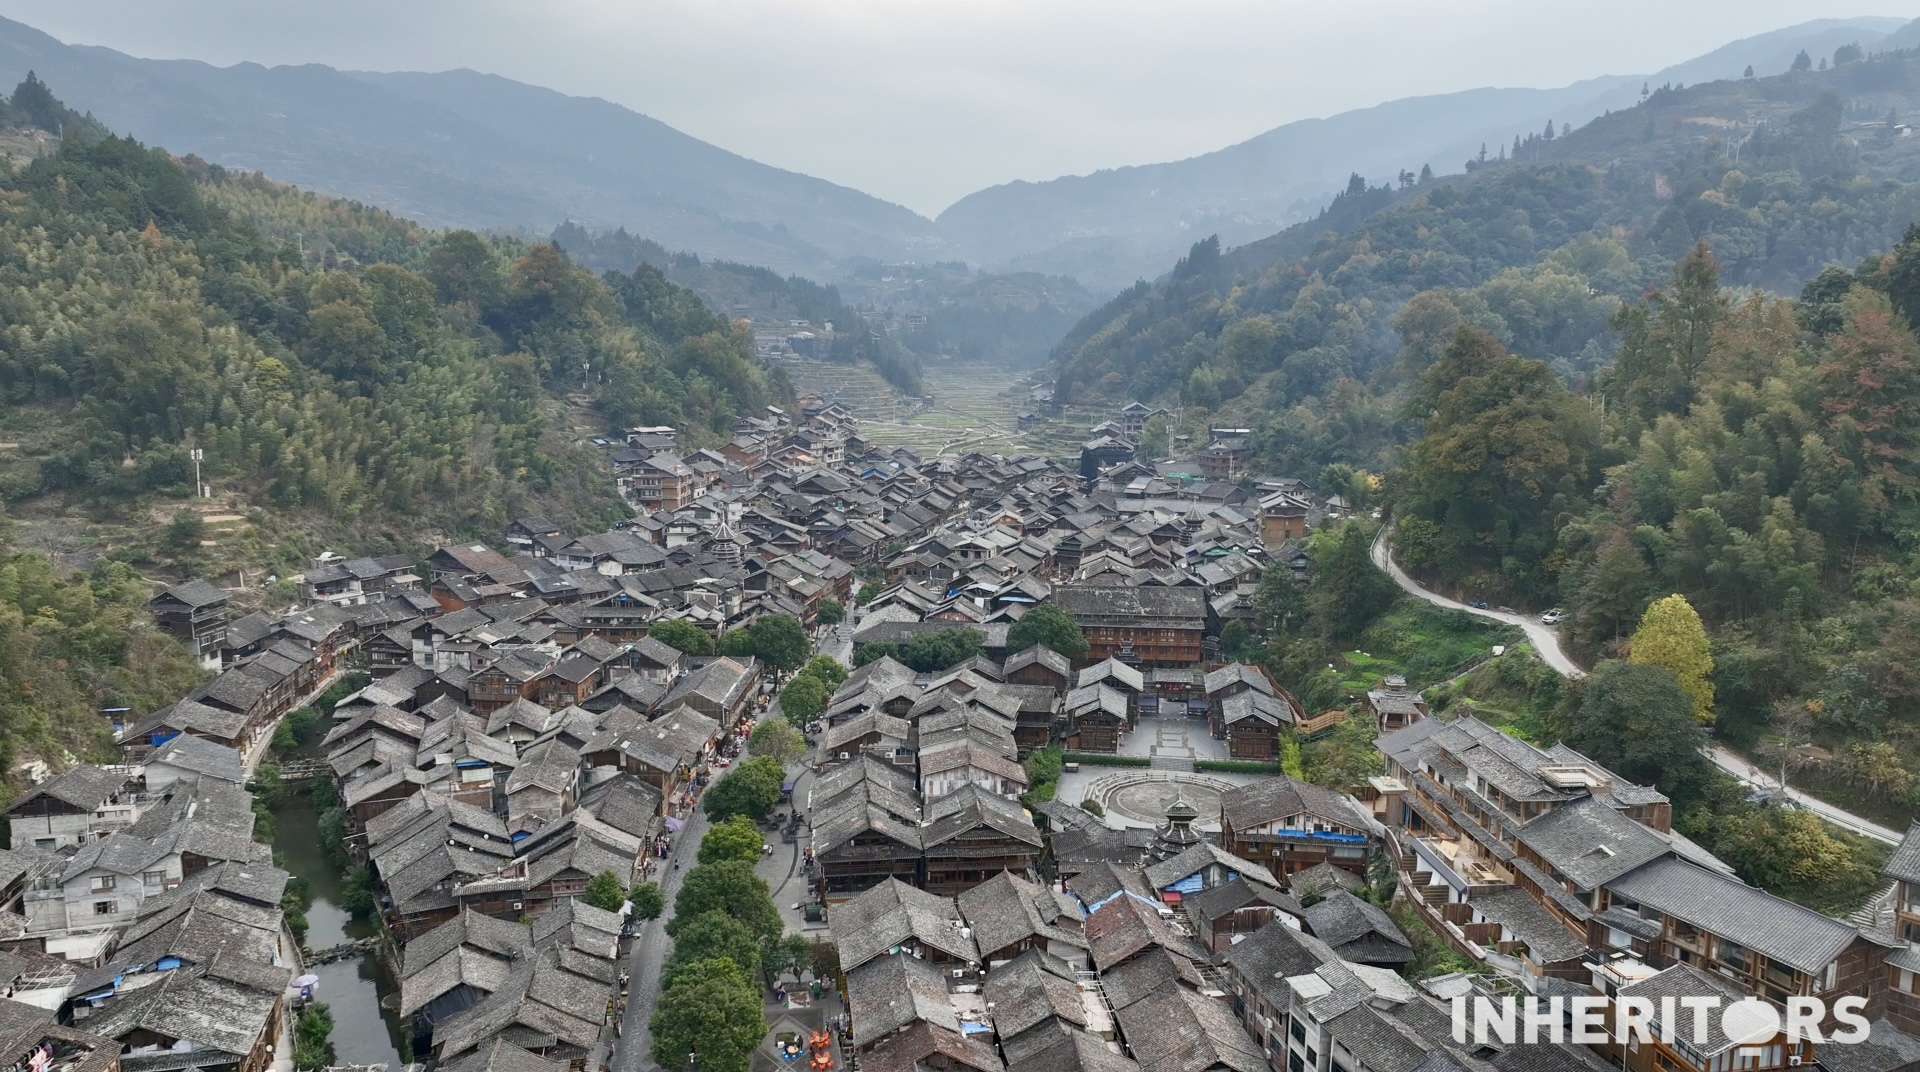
(974, 408)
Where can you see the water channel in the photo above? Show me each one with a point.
(351, 987)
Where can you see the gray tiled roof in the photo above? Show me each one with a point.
(1189, 1033)
(1590, 843)
(1777, 929)
(893, 913)
(1904, 864)
(1358, 930)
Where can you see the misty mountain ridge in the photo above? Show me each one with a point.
(1111, 227)
(465, 149)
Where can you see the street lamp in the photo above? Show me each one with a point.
(197, 454)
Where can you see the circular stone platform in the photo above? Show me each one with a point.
(1141, 797)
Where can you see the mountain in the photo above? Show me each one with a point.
(1112, 227)
(1303, 335)
(461, 149)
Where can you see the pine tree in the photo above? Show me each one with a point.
(1672, 637)
(1426, 172)
(1801, 62)
(1749, 71)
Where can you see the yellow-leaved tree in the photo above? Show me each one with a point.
(1671, 637)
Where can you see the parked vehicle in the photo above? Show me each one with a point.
(1553, 617)
(1477, 604)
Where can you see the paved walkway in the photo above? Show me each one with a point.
(633, 1052)
(1546, 641)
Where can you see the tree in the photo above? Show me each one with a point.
(605, 892)
(1507, 452)
(751, 789)
(792, 955)
(463, 268)
(731, 888)
(1792, 853)
(777, 640)
(1346, 757)
(825, 961)
(312, 1042)
(1671, 637)
(713, 1015)
(1666, 341)
(804, 698)
(1155, 439)
(832, 612)
(1870, 384)
(1347, 591)
(1748, 73)
(1426, 174)
(737, 838)
(831, 672)
(778, 738)
(648, 900)
(1050, 626)
(933, 652)
(683, 636)
(1850, 53)
(1801, 62)
(185, 531)
(1636, 721)
(712, 936)
(867, 592)
(1280, 603)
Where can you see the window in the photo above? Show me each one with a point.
(102, 882)
(106, 908)
(153, 879)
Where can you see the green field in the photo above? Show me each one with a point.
(974, 408)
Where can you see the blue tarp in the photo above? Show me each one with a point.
(1191, 884)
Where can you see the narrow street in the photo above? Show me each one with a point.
(632, 1051)
(1546, 642)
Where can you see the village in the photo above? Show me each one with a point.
(508, 723)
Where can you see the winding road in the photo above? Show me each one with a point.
(1546, 641)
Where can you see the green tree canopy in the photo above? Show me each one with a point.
(1638, 722)
(1508, 451)
(713, 1014)
(648, 900)
(751, 789)
(711, 936)
(1672, 638)
(731, 888)
(804, 698)
(1347, 591)
(776, 639)
(777, 737)
(828, 669)
(605, 892)
(737, 838)
(1048, 625)
(832, 612)
(683, 636)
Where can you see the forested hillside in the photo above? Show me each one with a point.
(1578, 379)
(327, 358)
(1308, 335)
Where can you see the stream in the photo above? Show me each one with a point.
(351, 988)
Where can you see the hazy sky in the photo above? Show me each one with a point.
(922, 101)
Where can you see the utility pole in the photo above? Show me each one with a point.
(199, 489)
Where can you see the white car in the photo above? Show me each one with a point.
(1553, 617)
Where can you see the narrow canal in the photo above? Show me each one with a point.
(351, 988)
